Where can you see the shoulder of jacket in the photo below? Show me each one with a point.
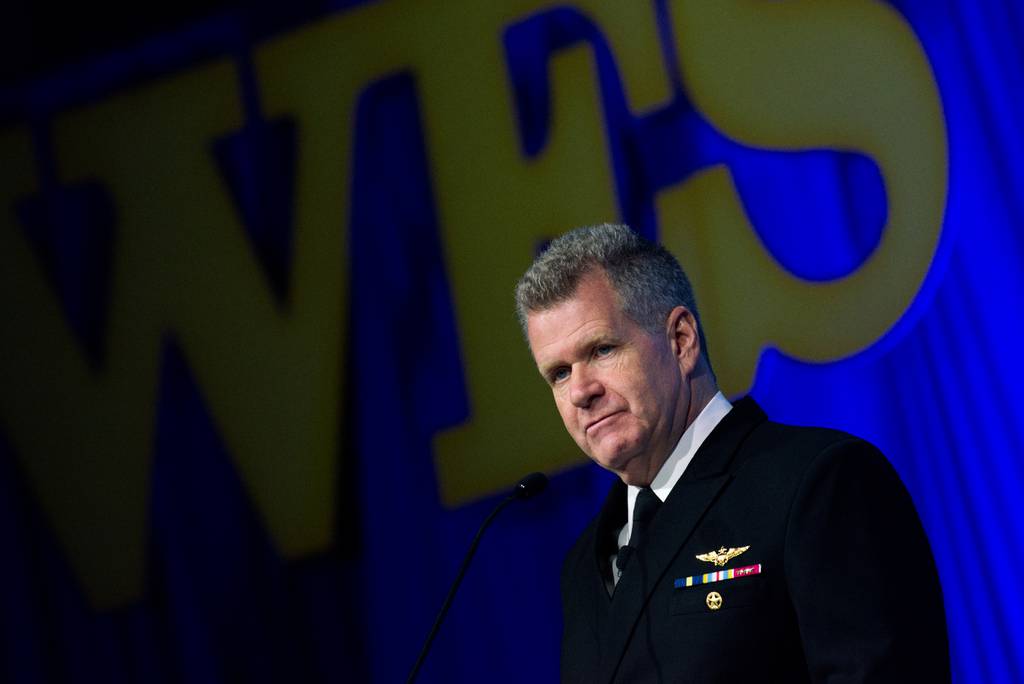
(798, 446)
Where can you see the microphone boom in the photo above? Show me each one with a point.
(528, 487)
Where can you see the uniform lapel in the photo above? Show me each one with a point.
(707, 475)
(609, 521)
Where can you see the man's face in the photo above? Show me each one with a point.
(620, 390)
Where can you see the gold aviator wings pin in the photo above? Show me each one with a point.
(722, 555)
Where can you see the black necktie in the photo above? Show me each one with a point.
(647, 503)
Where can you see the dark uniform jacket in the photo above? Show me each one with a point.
(838, 583)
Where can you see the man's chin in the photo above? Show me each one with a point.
(630, 478)
(626, 466)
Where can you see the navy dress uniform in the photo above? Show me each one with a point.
(783, 554)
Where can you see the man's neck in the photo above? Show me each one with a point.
(702, 390)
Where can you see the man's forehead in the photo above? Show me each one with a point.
(585, 318)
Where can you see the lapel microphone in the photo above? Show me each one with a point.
(527, 488)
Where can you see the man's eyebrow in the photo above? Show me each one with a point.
(598, 337)
(583, 347)
(547, 369)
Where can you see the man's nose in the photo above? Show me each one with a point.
(584, 389)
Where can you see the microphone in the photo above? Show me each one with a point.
(530, 486)
(527, 488)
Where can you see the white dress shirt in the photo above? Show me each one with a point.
(676, 464)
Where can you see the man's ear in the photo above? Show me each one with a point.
(683, 338)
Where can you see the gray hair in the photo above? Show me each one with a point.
(649, 280)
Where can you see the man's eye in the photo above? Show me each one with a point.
(560, 374)
(603, 350)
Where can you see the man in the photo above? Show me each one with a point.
(733, 549)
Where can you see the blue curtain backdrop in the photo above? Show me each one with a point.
(937, 395)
